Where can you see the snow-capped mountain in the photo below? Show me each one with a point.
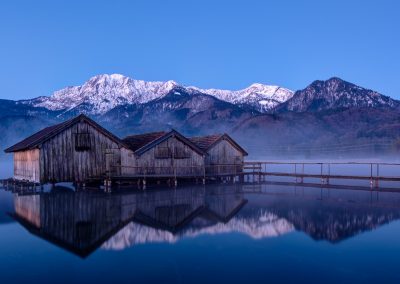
(103, 93)
(336, 93)
(262, 97)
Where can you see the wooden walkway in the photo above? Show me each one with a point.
(379, 175)
(328, 177)
(330, 186)
(375, 173)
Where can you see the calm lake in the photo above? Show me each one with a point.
(201, 234)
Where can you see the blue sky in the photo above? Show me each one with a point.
(47, 45)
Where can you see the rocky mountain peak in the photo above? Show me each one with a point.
(336, 93)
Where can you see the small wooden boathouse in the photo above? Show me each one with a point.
(163, 154)
(223, 155)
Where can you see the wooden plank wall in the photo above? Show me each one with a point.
(60, 161)
(26, 165)
(128, 162)
(223, 153)
(191, 165)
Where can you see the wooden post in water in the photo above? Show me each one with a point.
(253, 174)
(234, 174)
(371, 180)
(377, 176)
(105, 185)
(322, 179)
(265, 172)
(329, 173)
(144, 178)
(175, 181)
(204, 174)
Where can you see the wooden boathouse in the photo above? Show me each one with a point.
(223, 155)
(74, 150)
(163, 154)
(80, 150)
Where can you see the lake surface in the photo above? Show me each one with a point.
(201, 234)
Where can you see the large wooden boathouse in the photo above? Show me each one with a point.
(79, 150)
(70, 151)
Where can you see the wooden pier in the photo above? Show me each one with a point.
(259, 171)
(379, 176)
(21, 186)
(300, 173)
(171, 176)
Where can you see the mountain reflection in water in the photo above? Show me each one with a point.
(82, 222)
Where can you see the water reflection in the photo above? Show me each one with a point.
(82, 222)
(6, 207)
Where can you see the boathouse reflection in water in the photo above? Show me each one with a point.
(81, 222)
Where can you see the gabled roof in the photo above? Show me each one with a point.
(207, 142)
(136, 142)
(144, 142)
(45, 134)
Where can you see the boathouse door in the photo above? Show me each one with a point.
(113, 162)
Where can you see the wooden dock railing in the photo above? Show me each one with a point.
(374, 172)
(377, 174)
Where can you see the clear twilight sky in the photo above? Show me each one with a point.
(48, 45)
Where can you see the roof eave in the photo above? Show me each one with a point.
(64, 125)
(233, 142)
(157, 141)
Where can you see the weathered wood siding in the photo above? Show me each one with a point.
(128, 162)
(76, 154)
(223, 158)
(168, 156)
(26, 165)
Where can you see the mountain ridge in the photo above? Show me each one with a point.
(104, 92)
(331, 112)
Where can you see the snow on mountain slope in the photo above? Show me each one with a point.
(262, 97)
(102, 93)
